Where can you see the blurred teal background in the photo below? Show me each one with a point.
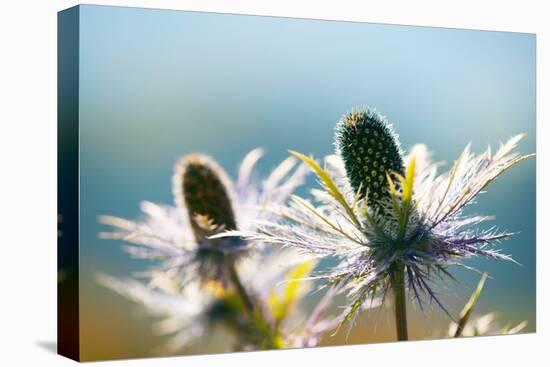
(158, 84)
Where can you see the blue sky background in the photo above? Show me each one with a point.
(157, 84)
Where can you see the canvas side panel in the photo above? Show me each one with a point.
(68, 183)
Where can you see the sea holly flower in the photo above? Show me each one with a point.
(391, 219)
(183, 238)
(206, 202)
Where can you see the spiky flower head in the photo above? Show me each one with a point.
(203, 188)
(371, 151)
(418, 227)
(183, 238)
(206, 202)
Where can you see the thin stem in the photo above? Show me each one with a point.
(398, 286)
(255, 313)
(241, 291)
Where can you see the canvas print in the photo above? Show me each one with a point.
(234, 183)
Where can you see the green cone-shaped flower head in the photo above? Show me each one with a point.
(370, 150)
(204, 189)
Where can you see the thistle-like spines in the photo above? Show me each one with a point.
(370, 149)
(203, 188)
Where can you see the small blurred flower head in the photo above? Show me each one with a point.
(209, 282)
(202, 190)
(206, 202)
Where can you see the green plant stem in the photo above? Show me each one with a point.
(255, 313)
(400, 301)
(241, 291)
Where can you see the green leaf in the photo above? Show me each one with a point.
(283, 305)
(330, 186)
(407, 183)
(467, 310)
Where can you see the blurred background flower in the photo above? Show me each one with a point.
(206, 283)
(206, 204)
